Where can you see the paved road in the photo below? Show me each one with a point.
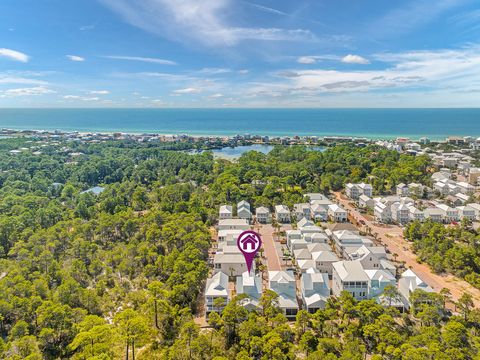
(392, 237)
(273, 261)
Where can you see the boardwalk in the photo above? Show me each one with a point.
(392, 237)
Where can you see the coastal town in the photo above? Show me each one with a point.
(346, 241)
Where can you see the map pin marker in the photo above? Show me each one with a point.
(249, 243)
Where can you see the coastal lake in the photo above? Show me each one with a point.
(236, 152)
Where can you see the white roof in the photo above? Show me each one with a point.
(327, 256)
(304, 222)
(226, 209)
(262, 210)
(282, 209)
(217, 285)
(336, 208)
(305, 263)
(281, 277)
(364, 197)
(221, 258)
(311, 281)
(318, 247)
(350, 271)
(232, 222)
(302, 254)
(380, 275)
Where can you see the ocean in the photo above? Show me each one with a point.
(371, 123)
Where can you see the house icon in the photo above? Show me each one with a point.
(249, 243)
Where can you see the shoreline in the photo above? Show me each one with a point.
(138, 133)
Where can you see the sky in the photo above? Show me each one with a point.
(235, 53)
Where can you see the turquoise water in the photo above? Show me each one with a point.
(237, 151)
(373, 123)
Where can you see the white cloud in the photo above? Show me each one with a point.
(440, 78)
(99, 92)
(187, 91)
(214, 71)
(203, 22)
(243, 71)
(355, 59)
(216, 96)
(142, 59)
(307, 60)
(32, 91)
(81, 98)
(13, 55)
(9, 79)
(75, 58)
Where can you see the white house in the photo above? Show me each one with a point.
(400, 213)
(315, 291)
(324, 261)
(229, 237)
(282, 214)
(354, 191)
(344, 238)
(449, 214)
(233, 224)
(337, 213)
(252, 286)
(408, 283)
(382, 213)
(378, 280)
(319, 212)
(232, 264)
(350, 276)
(365, 202)
(476, 207)
(216, 287)
(416, 214)
(283, 283)
(466, 212)
(225, 212)
(243, 210)
(263, 214)
(302, 211)
(434, 214)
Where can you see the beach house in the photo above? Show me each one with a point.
(216, 288)
(243, 211)
(409, 282)
(337, 213)
(283, 283)
(250, 285)
(282, 214)
(262, 214)
(225, 212)
(302, 211)
(315, 291)
(233, 224)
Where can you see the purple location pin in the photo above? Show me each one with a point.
(249, 243)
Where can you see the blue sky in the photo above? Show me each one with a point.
(233, 53)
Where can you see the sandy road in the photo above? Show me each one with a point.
(392, 237)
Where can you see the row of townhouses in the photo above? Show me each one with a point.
(319, 208)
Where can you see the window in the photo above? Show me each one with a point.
(290, 312)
